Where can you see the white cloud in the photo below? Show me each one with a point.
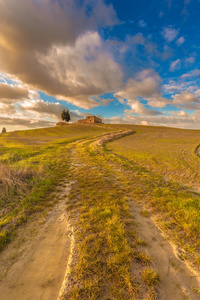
(190, 60)
(169, 33)
(138, 108)
(147, 86)
(181, 120)
(185, 97)
(186, 100)
(180, 41)
(175, 65)
(181, 113)
(44, 109)
(192, 73)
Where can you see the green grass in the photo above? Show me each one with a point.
(143, 165)
(167, 151)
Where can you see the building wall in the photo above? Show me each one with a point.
(91, 120)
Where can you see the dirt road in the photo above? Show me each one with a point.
(39, 271)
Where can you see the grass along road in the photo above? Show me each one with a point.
(113, 261)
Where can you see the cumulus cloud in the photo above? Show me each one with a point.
(83, 70)
(44, 109)
(12, 92)
(181, 113)
(186, 100)
(51, 37)
(185, 97)
(169, 33)
(146, 85)
(138, 108)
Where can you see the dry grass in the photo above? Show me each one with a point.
(14, 182)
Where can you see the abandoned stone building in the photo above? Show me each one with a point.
(91, 120)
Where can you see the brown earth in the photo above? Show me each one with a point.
(34, 268)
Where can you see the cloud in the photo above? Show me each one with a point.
(138, 108)
(175, 65)
(46, 109)
(186, 100)
(145, 85)
(84, 70)
(169, 33)
(61, 36)
(23, 123)
(180, 41)
(12, 92)
(185, 11)
(156, 100)
(179, 121)
(192, 73)
(142, 23)
(185, 97)
(190, 60)
(181, 113)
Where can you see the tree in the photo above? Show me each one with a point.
(65, 116)
(4, 130)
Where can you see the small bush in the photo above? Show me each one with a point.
(150, 277)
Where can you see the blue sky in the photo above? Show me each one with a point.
(129, 62)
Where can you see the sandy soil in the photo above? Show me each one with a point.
(35, 268)
(176, 279)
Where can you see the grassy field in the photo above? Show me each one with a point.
(167, 151)
(32, 162)
(153, 167)
(166, 181)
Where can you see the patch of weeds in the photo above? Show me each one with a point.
(175, 265)
(141, 242)
(5, 237)
(196, 289)
(142, 257)
(144, 213)
(22, 219)
(197, 261)
(151, 295)
(150, 277)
